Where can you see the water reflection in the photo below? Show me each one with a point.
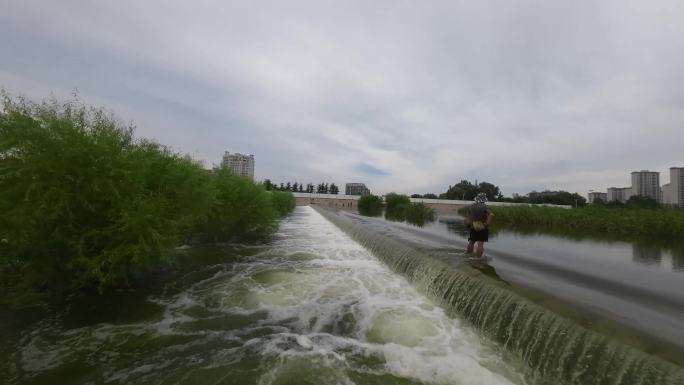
(646, 254)
(416, 214)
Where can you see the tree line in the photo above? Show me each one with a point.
(85, 203)
(321, 188)
(466, 190)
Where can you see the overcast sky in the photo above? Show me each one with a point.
(407, 96)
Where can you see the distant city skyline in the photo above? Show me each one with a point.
(648, 184)
(403, 96)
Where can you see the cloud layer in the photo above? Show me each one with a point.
(405, 96)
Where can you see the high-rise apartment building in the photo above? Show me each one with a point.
(666, 192)
(239, 164)
(597, 196)
(620, 194)
(356, 189)
(646, 183)
(676, 188)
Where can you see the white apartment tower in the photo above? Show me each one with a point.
(239, 164)
(646, 183)
(676, 188)
(620, 194)
(594, 196)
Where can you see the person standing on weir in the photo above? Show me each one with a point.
(480, 218)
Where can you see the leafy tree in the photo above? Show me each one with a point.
(282, 187)
(416, 196)
(268, 185)
(557, 198)
(326, 189)
(334, 189)
(463, 190)
(493, 192)
(301, 188)
(295, 187)
(430, 196)
(288, 187)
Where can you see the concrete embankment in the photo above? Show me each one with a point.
(555, 348)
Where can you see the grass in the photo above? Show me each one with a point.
(622, 222)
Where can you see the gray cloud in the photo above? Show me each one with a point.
(403, 96)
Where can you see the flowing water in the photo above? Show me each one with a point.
(311, 307)
(555, 346)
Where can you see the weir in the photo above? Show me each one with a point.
(553, 348)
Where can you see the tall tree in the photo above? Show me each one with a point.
(493, 192)
(268, 185)
(462, 190)
(334, 189)
(295, 187)
(325, 188)
(282, 187)
(288, 187)
(301, 189)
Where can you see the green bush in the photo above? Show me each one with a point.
(393, 200)
(419, 214)
(240, 208)
(84, 201)
(283, 202)
(400, 208)
(370, 205)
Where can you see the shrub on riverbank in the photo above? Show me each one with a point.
(282, 201)
(370, 205)
(83, 200)
(400, 208)
(626, 221)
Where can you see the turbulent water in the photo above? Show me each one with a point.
(553, 349)
(312, 307)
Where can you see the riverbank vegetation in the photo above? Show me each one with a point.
(628, 221)
(370, 205)
(399, 208)
(87, 204)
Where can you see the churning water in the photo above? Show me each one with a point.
(312, 307)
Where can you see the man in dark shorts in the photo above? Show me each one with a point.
(480, 218)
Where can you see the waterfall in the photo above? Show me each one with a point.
(553, 349)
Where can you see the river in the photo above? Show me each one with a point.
(310, 307)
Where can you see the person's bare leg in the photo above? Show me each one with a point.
(470, 247)
(480, 249)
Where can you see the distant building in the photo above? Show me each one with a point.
(676, 186)
(594, 196)
(666, 192)
(239, 164)
(356, 189)
(619, 194)
(647, 184)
